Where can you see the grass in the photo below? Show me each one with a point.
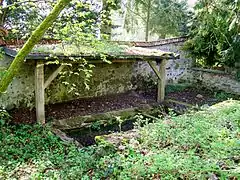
(70, 50)
(199, 145)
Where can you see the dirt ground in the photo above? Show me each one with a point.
(108, 103)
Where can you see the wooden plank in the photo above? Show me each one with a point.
(123, 61)
(161, 81)
(53, 76)
(39, 92)
(154, 68)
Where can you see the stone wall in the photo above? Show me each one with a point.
(175, 69)
(106, 79)
(212, 79)
(181, 70)
(21, 90)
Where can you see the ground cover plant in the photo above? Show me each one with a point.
(199, 145)
(34, 152)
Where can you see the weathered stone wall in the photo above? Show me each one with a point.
(21, 90)
(212, 79)
(181, 70)
(175, 69)
(106, 79)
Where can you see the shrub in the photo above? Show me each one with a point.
(214, 36)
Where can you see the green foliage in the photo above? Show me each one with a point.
(222, 96)
(22, 17)
(164, 18)
(34, 152)
(96, 125)
(77, 13)
(200, 145)
(192, 146)
(214, 33)
(106, 23)
(169, 18)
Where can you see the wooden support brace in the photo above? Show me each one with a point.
(161, 73)
(39, 92)
(154, 68)
(53, 76)
(161, 81)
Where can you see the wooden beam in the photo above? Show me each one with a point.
(161, 81)
(154, 68)
(39, 92)
(53, 76)
(161, 74)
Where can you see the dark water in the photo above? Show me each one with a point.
(87, 136)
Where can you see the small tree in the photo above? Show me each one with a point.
(160, 17)
(106, 22)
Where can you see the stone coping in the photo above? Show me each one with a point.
(209, 70)
(86, 121)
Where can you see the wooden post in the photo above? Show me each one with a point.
(39, 92)
(161, 81)
(155, 69)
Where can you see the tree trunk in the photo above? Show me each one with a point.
(28, 46)
(2, 14)
(147, 21)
